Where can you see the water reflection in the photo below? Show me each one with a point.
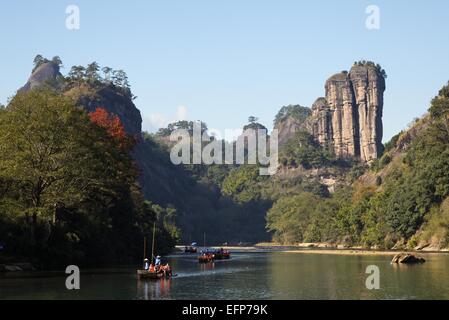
(249, 276)
(154, 289)
(207, 266)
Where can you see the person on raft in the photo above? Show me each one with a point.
(157, 261)
(158, 267)
(146, 264)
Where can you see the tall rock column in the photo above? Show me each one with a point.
(369, 87)
(340, 98)
(349, 118)
(321, 122)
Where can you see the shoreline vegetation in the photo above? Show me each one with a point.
(328, 248)
(320, 248)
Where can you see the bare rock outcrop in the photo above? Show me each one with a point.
(340, 98)
(47, 74)
(320, 123)
(91, 98)
(368, 86)
(290, 120)
(349, 118)
(288, 128)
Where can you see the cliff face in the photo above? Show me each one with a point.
(369, 87)
(47, 74)
(349, 118)
(113, 101)
(288, 128)
(340, 98)
(355, 102)
(290, 120)
(320, 122)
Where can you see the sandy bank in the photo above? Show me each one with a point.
(316, 248)
(326, 248)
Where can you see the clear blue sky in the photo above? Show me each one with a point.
(226, 60)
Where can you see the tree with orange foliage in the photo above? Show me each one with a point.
(113, 125)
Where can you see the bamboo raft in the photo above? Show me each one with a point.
(206, 258)
(152, 275)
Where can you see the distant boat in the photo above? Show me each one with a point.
(222, 254)
(206, 257)
(190, 249)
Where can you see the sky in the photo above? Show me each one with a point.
(223, 61)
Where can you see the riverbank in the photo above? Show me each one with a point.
(319, 248)
(326, 248)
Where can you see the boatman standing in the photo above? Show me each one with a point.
(157, 262)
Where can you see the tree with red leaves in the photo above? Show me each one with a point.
(113, 125)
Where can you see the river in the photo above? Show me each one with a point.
(269, 275)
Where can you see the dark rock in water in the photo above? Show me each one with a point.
(406, 258)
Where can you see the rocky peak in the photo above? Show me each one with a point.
(349, 117)
(47, 74)
(113, 101)
(354, 119)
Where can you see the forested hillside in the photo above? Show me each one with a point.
(69, 190)
(401, 200)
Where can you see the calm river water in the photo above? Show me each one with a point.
(271, 275)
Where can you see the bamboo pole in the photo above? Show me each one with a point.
(144, 248)
(152, 245)
(204, 240)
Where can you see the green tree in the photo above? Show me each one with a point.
(107, 71)
(289, 218)
(92, 72)
(439, 109)
(253, 119)
(38, 60)
(77, 73)
(297, 112)
(120, 79)
(242, 184)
